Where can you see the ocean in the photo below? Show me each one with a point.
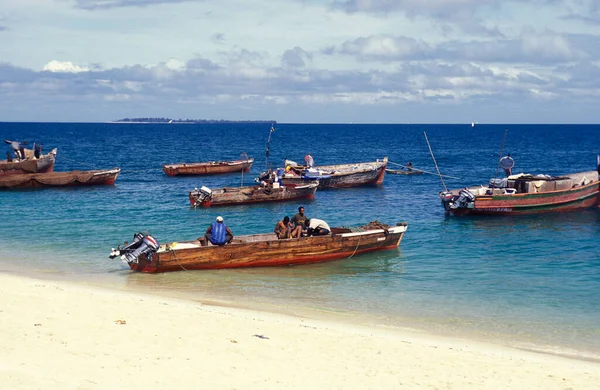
(530, 281)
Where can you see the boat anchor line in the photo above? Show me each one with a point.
(417, 169)
(355, 249)
(170, 249)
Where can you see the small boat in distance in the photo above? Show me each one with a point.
(208, 168)
(30, 164)
(334, 176)
(145, 254)
(60, 179)
(205, 197)
(404, 172)
(525, 194)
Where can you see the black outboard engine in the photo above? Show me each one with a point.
(446, 197)
(142, 244)
(465, 198)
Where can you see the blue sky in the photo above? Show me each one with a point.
(314, 61)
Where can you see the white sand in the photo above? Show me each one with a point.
(58, 335)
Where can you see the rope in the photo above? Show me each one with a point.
(355, 249)
(420, 170)
(178, 262)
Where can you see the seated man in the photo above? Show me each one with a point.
(317, 227)
(299, 223)
(283, 229)
(218, 233)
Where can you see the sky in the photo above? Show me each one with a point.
(301, 61)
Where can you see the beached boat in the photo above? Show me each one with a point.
(208, 168)
(30, 164)
(205, 197)
(335, 176)
(525, 194)
(145, 254)
(60, 179)
(404, 172)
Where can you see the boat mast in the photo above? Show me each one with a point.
(500, 156)
(435, 162)
(268, 151)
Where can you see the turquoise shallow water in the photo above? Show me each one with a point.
(525, 280)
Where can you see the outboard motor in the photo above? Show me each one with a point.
(464, 200)
(142, 244)
(202, 194)
(446, 197)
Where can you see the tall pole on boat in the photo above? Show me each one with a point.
(500, 156)
(268, 151)
(435, 162)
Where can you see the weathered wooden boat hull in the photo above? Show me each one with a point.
(577, 197)
(255, 251)
(403, 172)
(60, 179)
(44, 164)
(367, 174)
(208, 168)
(253, 194)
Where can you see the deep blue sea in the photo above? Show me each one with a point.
(529, 281)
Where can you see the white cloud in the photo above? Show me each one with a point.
(64, 67)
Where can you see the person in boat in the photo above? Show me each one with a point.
(317, 227)
(37, 150)
(507, 163)
(409, 166)
(218, 233)
(299, 222)
(283, 229)
(310, 162)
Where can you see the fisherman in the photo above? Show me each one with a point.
(507, 163)
(409, 166)
(317, 227)
(310, 162)
(298, 220)
(218, 233)
(37, 150)
(283, 229)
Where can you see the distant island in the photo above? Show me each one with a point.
(169, 120)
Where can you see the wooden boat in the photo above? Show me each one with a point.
(43, 164)
(526, 194)
(145, 254)
(205, 197)
(208, 168)
(337, 176)
(60, 179)
(404, 172)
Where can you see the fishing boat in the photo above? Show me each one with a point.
(205, 197)
(208, 168)
(334, 176)
(30, 164)
(145, 254)
(403, 172)
(525, 194)
(60, 179)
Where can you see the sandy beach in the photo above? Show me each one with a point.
(61, 335)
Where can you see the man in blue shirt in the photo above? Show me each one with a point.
(218, 233)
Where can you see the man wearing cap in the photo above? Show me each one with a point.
(218, 233)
